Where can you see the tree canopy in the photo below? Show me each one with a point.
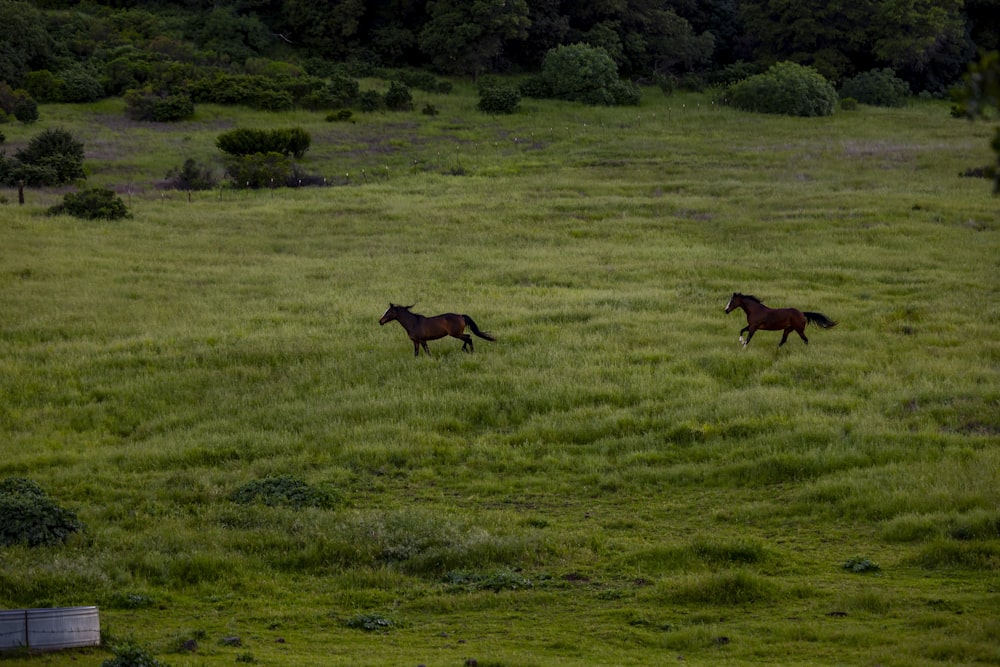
(115, 43)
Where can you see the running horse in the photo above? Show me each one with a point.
(760, 316)
(421, 329)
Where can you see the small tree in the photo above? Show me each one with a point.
(50, 158)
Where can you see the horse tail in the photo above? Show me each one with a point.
(475, 329)
(820, 319)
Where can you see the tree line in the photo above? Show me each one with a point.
(97, 47)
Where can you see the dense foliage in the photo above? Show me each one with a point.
(582, 73)
(92, 204)
(88, 50)
(29, 516)
(879, 88)
(52, 157)
(785, 88)
(292, 141)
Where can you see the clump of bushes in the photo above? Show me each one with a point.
(92, 204)
(292, 141)
(785, 88)
(369, 623)
(146, 105)
(285, 491)
(29, 516)
(878, 87)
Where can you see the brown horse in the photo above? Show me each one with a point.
(760, 316)
(421, 329)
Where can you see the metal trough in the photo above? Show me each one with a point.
(49, 629)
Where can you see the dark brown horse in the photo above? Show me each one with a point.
(421, 329)
(760, 316)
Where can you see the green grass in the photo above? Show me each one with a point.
(614, 481)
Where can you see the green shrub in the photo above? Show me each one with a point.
(149, 106)
(878, 87)
(285, 491)
(339, 116)
(92, 204)
(50, 158)
(26, 110)
(191, 176)
(370, 101)
(369, 623)
(259, 170)
(29, 516)
(848, 104)
(582, 73)
(248, 141)
(786, 88)
(80, 86)
(131, 654)
(497, 98)
(398, 97)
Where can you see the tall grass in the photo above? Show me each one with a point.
(660, 487)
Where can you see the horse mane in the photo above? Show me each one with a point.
(750, 297)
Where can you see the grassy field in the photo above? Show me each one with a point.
(615, 481)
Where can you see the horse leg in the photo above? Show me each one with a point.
(750, 333)
(467, 341)
(416, 347)
(802, 335)
(426, 349)
(743, 331)
(784, 337)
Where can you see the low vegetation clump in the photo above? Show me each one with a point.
(786, 88)
(877, 87)
(29, 516)
(285, 491)
(92, 204)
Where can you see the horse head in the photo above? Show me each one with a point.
(733, 302)
(393, 311)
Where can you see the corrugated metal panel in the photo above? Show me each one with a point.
(49, 629)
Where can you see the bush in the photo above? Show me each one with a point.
(259, 170)
(29, 516)
(191, 176)
(284, 490)
(131, 654)
(786, 88)
(582, 73)
(26, 110)
(370, 100)
(247, 141)
(50, 158)
(80, 86)
(148, 106)
(878, 87)
(848, 104)
(92, 204)
(398, 97)
(339, 116)
(498, 98)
